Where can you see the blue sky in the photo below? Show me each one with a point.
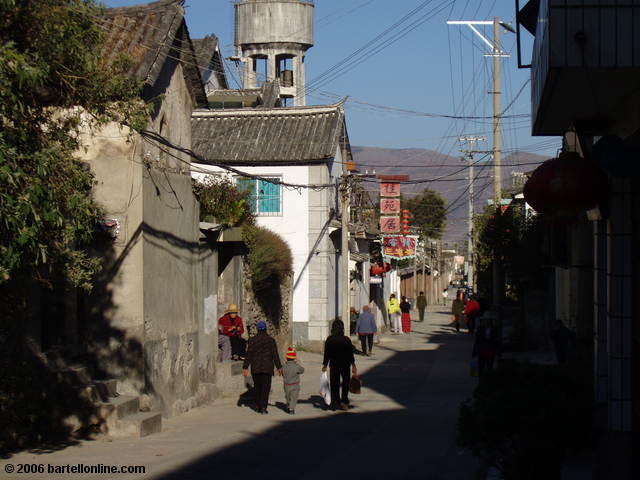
(434, 68)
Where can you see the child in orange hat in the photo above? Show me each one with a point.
(291, 372)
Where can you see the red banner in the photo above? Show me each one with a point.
(389, 224)
(399, 247)
(389, 206)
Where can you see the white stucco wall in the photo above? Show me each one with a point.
(292, 224)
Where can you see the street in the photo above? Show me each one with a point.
(402, 426)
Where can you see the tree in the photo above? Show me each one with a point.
(428, 212)
(53, 86)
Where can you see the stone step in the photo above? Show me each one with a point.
(139, 424)
(99, 391)
(116, 409)
(229, 379)
(107, 388)
(75, 375)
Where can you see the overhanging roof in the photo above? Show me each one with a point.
(270, 136)
(150, 34)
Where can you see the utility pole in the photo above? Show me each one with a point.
(496, 53)
(471, 141)
(345, 197)
(497, 141)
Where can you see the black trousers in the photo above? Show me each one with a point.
(237, 345)
(262, 385)
(364, 339)
(336, 374)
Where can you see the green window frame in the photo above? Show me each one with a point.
(265, 197)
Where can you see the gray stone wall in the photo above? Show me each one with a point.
(281, 328)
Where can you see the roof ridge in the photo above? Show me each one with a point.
(336, 107)
(142, 7)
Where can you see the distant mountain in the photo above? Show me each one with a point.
(447, 175)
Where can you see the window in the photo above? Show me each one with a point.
(265, 197)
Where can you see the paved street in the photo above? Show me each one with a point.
(402, 426)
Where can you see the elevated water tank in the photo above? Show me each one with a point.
(274, 21)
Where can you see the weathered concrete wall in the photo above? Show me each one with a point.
(153, 336)
(207, 312)
(171, 249)
(115, 326)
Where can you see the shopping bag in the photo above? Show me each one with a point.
(325, 388)
(355, 384)
(474, 367)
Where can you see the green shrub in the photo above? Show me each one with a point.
(269, 258)
(526, 419)
(221, 201)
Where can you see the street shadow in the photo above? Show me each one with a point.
(60, 346)
(55, 342)
(411, 436)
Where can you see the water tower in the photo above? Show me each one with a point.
(272, 38)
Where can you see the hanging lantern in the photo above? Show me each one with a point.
(565, 185)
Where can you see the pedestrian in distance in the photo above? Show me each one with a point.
(366, 328)
(291, 372)
(338, 356)
(262, 357)
(486, 346)
(457, 310)
(421, 303)
(231, 325)
(445, 295)
(393, 310)
(405, 308)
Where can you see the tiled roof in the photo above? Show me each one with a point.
(274, 136)
(208, 57)
(150, 34)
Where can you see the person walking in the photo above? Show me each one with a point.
(421, 303)
(471, 313)
(291, 372)
(366, 328)
(393, 310)
(262, 357)
(486, 345)
(457, 310)
(230, 325)
(445, 295)
(338, 356)
(405, 308)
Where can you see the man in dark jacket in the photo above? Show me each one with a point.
(338, 355)
(421, 303)
(262, 357)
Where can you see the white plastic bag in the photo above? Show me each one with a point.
(325, 388)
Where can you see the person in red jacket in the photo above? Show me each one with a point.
(471, 313)
(231, 325)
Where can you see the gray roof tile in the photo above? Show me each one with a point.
(275, 136)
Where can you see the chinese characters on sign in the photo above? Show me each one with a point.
(389, 206)
(389, 224)
(399, 247)
(390, 189)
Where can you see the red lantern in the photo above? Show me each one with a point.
(565, 185)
